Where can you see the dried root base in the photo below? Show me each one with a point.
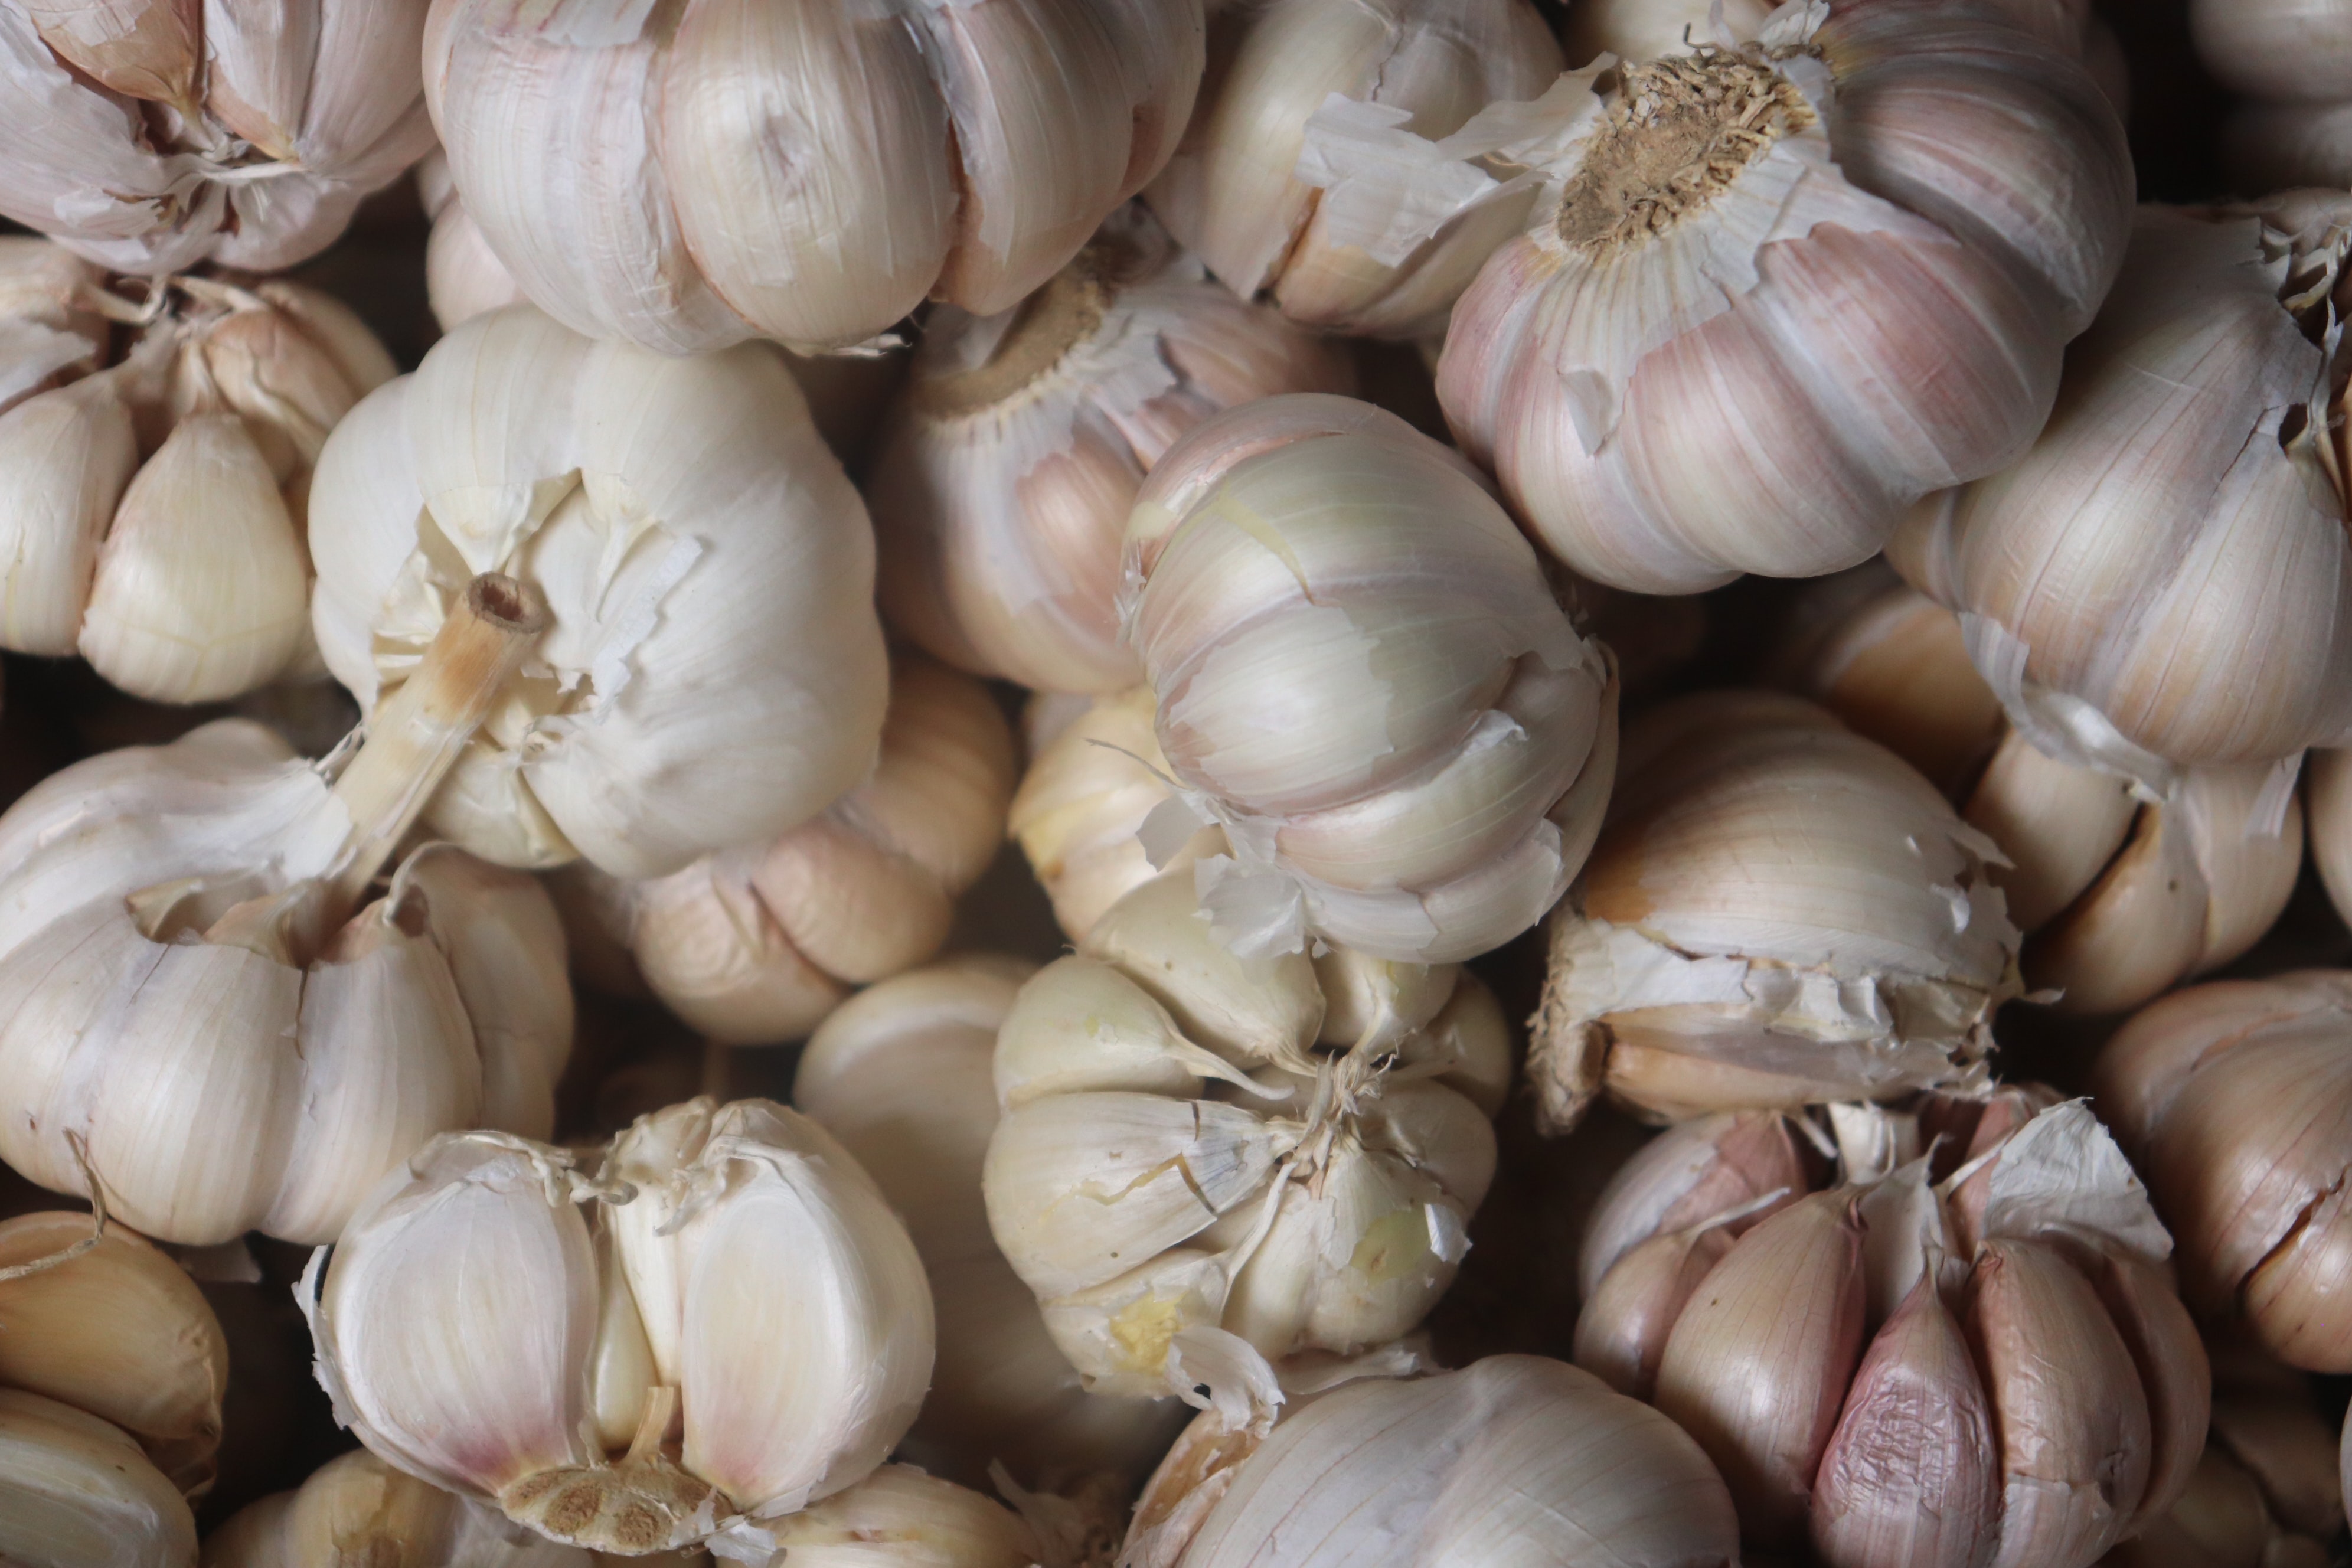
(635, 1507)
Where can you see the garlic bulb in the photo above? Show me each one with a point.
(713, 673)
(722, 1324)
(356, 1511)
(1779, 913)
(2186, 495)
(1287, 184)
(1193, 1189)
(150, 519)
(150, 135)
(1364, 679)
(804, 173)
(1514, 1460)
(2297, 51)
(200, 1008)
(756, 944)
(2234, 1098)
(901, 1074)
(1769, 296)
(2120, 897)
(1966, 1351)
(1010, 459)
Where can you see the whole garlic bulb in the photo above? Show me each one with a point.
(722, 1325)
(1280, 185)
(902, 1075)
(202, 1010)
(1770, 296)
(2186, 495)
(2291, 61)
(150, 135)
(1779, 913)
(1364, 679)
(1010, 460)
(713, 674)
(1969, 1356)
(808, 174)
(755, 944)
(1193, 1190)
(150, 519)
(356, 1510)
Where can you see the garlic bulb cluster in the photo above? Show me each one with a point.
(1513, 1460)
(1289, 183)
(150, 520)
(1364, 679)
(719, 1325)
(803, 174)
(152, 135)
(755, 944)
(1009, 462)
(1779, 913)
(2293, 59)
(2189, 489)
(2120, 897)
(1769, 296)
(713, 673)
(902, 1075)
(1193, 1189)
(1968, 1351)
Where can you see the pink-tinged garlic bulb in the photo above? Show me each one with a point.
(1286, 184)
(1770, 296)
(2290, 60)
(1010, 459)
(2120, 896)
(2164, 581)
(804, 172)
(2234, 1098)
(714, 1323)
(1778, 913)
(754, 945)
(1963, 1349)
(1364, 679)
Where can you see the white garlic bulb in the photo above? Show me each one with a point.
(150, 519)
(1769, 296)
(200, 1010)
(2164, 581)
(356, 1510)
(1190, 1188)
(713, 673)
(722, 1324)
(1364, 679)
(1780, 912)
(1285, 182)
(808, 174)
(1010, 461)
(755, 944)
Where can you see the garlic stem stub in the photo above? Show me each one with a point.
(1769, 295)
(200, 1009)
(1779, 913)
(707, 1326)
(1009, 462)
(1364, 679)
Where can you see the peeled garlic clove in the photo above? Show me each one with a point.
(355, 1506)
(1082, 805)
(80, 1494)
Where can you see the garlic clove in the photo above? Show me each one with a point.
(2059, 824)
(1621, 1327)
(1248, 1009)
(80, 1494)
(357, 1508)
(337, 329)
(1081, 1026)
(2173, 1370)
(1692, 1171)
(2134, 930)
(1078, 808)
(2247, 849)
(70, 454)
(2297, 1295)
(288, 388)
(463, 275)
(2218, 1523)
(710, 947)
(1373, 1004)
(900, 1515)
(1472, 1036)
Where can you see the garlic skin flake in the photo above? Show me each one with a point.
(1364, 679)
(1769, 296)
(722, 1325)
(1779, 913)
(714, 673)
(1009, 462)
(808, 174)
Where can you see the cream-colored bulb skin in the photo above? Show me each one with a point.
(1771, 294)
(76, 1492)
(355, 1509)
(1364, 679)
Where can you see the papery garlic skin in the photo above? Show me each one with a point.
(1779, 913)
(756, 944)
(1804, 284)
(714, 674)
(355, 1508)
(1326, 129)
(1364, 679)
(1009, 462)
(808, 175)
(76, 1492)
